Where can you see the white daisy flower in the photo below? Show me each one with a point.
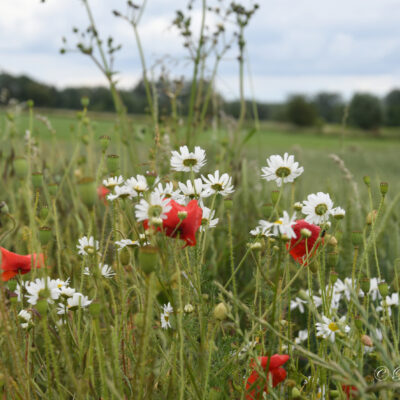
(188, 161)
(168, 192)
(281, 170)
(196, 190)
(122, 192)
(388, 302)
(281, 227)
(87, 246)
(20, 290)
(259, 230)
(137, 185)
(188, 308)
(113, 181)
(26, 317)
(167, 310)
(126, 242)
(346, 287)
(317, 208)
(328, 328)
(338, 212)
(297, 303)
(316, 299)
(41, 287)
(219, 184)
(157, 207)
(207, 220)
(67, 291)
(373, 288)
(77, 300)
(105, 270)
(301, 336)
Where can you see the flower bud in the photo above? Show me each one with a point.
(367, 180)
(37, 180)
(188, 308)
(148, 258)
(12, 285)
(267, 210)
(104, 142)
(182, 214)
(85, 101)
(151, 177)
(113, 163)
(298, 206)
(44, 234)
(331, 240)
(41, 306)
(365, 284)
(383, 289)
(138, 320)
(296, 394)
(274, 196)
(44, 212)
(220, 311)
(358, 323)
(87, 191)
(124, 256)
(30, 103)
(332, 259)
(371, 217)
(367, 341)
(4, 208)
(256, 246)
(156, 221)
(384, 187)
(357, 238)
(313, 267)
(21, 167)
(306, 233)
(304, 295)
(333, 277)
(52, 189)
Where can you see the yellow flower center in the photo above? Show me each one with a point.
(333, 327)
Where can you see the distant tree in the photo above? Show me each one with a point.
(329, 106)
(300, 111)
(392, 108)
(365, 111)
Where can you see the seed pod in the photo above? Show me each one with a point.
(384, 187)
(357, 238)
(44, 235)
(87, 191)
(113, 163)
(104, 143)
(21, 167)
(37, 180)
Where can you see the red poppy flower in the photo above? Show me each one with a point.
(299, 246)
(12, 263)
(186, 228)
(102, 192)
(350, 391)
(275, 370)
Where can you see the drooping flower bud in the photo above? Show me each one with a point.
(371, 217)
(220, 311)
(367, 341)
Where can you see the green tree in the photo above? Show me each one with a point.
(392, 108)
(300, 111)
(329, 106)
(365, 111)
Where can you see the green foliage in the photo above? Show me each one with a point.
(300, 111)
(392, 108)
(365, 111)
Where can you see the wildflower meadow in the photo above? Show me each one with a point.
(187, 255)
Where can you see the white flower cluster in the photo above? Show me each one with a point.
(54, 291)
(167, 311)
(278, 228)
(132, 187)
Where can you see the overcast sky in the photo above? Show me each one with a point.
(293, 45)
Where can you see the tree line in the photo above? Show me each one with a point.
(364, 110)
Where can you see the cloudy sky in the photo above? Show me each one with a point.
(293, 45)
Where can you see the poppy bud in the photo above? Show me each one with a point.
(52, 189)
(85, 101)
(44, 235)
(37, 180)
(104, 142)
(220, 311)
(357, 238)
(139, 319)
(113, 163)
(358, 323)
(296, 394)
(371, 217)
(366, 341)
(365, 284)
(148, 258)
(41, 306)
(333, 276)
(332, 259)
(313, 267)
(87, 191)
(383, 289)
(274, 196)
(12, 285)
(20, 167)
(267, 210)
(306, 233)
(367, 180)
(4, 208)
(44, 212)
(384, 187)
(30, 103)
(124, 256)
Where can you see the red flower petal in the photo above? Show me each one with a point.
(102, 193)
(12, 263)
(297, 246)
